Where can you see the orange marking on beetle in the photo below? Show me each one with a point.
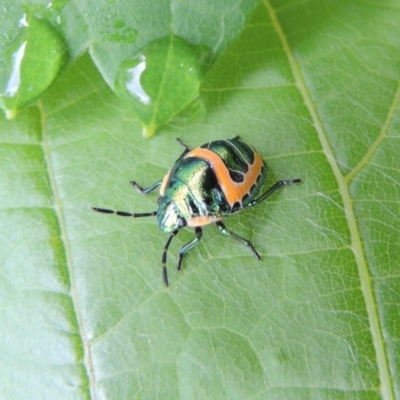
(201, 221)
(164, 183)
(233, 191)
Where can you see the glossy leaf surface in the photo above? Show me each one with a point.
(29, 64)
(123, 32)
(161, 80)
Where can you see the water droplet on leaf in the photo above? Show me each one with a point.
(162, 79)
(122, 33)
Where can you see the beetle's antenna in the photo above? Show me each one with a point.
(164, 256)
(124, 213)
(182, 144)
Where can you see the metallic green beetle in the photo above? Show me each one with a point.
(205, 184)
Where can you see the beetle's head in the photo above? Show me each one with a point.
(169, 217)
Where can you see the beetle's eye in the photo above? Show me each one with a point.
(181, 223)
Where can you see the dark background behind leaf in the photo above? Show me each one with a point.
(314, 86)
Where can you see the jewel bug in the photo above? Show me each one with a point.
(206, 184)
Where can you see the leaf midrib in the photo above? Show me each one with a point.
(87, 360)
(387, 389)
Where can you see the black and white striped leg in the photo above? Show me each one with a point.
(272, 190)
(124, 213)
(233, 235)
(188, 246)
(164, 256)
(146, 190)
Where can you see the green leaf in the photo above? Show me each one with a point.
(136, 24)
(169, 46)
(161, 80)
(29, 64)
(314, 87)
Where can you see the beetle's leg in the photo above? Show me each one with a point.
(146, 190)
(124, 213)
(188, 246)
(164, 256)
(271, 190)
(233, 235)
